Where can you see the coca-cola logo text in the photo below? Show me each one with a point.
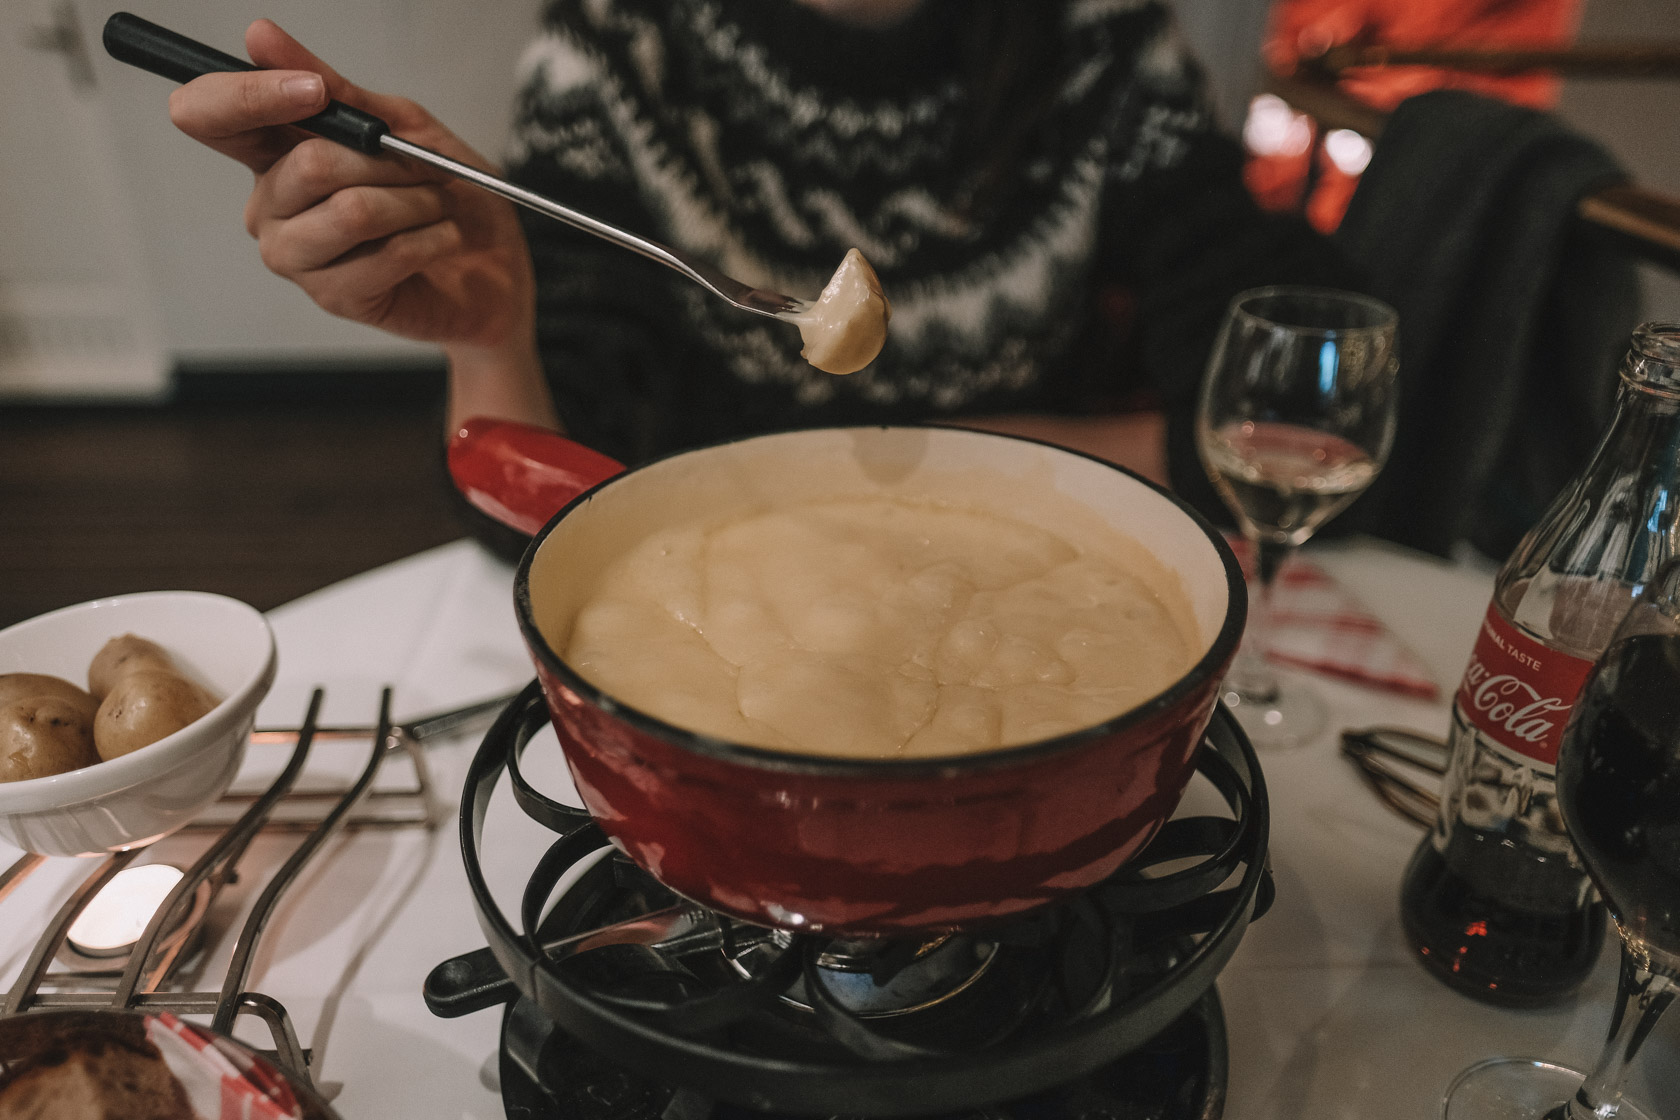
(1513, 704)
(1517, 691)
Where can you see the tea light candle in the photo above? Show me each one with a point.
(117, 915)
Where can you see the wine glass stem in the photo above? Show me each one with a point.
(1250, 675)
(1641, 997)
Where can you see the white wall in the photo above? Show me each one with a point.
(217, 301)
(1225, 35)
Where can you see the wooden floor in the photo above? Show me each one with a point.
(261, 499)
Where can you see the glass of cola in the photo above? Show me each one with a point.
(1618, 785)
(1295, 419)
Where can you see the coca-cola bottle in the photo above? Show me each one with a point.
(1495, 901)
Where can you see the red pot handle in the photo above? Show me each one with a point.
(521, 474)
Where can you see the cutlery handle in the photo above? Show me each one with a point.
(467, 983)
(140, 42)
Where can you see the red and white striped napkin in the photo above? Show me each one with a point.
(1317, 624)
(222, 1081)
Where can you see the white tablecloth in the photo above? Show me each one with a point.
(1328, 1015)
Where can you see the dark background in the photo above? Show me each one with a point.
(262, 487)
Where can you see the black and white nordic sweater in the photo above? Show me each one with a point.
(769, 139)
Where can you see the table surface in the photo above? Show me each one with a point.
(1328, 1015)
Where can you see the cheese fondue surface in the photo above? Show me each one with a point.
(879, 627)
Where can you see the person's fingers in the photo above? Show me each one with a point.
(273, 49)
(362, 284)
(344, 222)
(237, 113)
(313, 171)
(242, 114)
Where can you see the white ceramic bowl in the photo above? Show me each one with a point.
(144, 795)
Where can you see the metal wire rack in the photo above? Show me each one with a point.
(148, 979)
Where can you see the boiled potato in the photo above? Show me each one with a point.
(27, 686)
(142, 707)
(123, 655)
(44, 735)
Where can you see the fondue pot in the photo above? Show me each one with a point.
(846, 846)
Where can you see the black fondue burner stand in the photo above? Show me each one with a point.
(1101, 1006)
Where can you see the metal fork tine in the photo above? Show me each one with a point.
(1423, 751)
(1375, 752)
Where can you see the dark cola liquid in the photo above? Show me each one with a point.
(1619, 787)
(1490, 921)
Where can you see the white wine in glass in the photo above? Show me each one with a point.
(1295, 419)
(1286, 479)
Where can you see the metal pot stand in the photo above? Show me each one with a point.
(1099, 1005)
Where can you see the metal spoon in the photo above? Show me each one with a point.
(139, 42)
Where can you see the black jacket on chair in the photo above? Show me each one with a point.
(1513, 315)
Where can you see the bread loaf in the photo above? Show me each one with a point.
(86, 1070)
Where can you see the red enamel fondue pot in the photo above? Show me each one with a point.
(848, 846)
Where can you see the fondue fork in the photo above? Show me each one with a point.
(144, 44)
(421, 729)
(1376, 750)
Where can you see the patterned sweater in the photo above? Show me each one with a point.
(769, 139)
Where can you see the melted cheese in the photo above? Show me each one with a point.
(875, 627)
(847, 326)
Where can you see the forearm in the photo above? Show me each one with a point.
(505, 382)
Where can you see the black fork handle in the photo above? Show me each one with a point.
(140, 42)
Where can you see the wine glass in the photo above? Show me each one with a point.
(1296, 417)
(1618, 784)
